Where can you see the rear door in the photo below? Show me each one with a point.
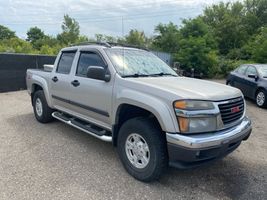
(60, 86)
(250, 84)
(91, 98)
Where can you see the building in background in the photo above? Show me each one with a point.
(166, 57)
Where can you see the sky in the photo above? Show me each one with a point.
(110, 17)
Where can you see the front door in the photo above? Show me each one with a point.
(89, 97)
(239, 78)
(250, 84)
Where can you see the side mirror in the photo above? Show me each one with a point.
(98, 72)
(253, 76)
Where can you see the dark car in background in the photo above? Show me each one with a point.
(251, 79)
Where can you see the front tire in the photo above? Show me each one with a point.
(261, 100)
(229, 83)
(142, 149)
(42, 112)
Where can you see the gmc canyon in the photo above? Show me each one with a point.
(131, 98)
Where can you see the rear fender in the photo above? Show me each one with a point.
(40, 81)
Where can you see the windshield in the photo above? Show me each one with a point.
(131, 62)
(263, 71)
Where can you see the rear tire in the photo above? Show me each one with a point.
(261, 98)
(42, 112)
(142, 149)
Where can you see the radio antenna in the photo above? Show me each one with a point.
(122, 32)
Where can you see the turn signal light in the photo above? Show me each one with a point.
(183, 124)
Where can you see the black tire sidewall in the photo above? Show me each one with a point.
(151, 135)
(47, 112)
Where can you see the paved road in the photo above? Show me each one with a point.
(55, 161)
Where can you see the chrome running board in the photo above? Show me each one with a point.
(86, 127)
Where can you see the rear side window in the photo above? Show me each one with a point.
(88, 59)
(241, 69)
(65, 62)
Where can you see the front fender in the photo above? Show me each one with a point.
(158, 108)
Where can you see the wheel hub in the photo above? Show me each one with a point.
(39, 107)
(260, 98)
(137, 150)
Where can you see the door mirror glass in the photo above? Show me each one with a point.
(98, 72)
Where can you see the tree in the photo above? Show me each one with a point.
(105, 38)
(6, 33)
(197, 48)
(258, 46)
(136, 37)
(48, 44)
(194, 27)
(167, 37)
(33, 35)
(227, 22)
(70, 31)
(256, 14)
(16, 45)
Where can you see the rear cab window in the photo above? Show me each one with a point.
(65, 62)
(88, 59)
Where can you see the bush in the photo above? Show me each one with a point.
(227, 65)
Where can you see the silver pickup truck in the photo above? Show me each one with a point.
(131, 98)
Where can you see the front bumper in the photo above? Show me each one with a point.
(193, 150)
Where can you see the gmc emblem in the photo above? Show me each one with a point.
(235, 109)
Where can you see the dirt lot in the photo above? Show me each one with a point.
(55, 161)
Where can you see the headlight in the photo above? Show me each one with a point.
(197, 124)
(193, 105)
(195, 116)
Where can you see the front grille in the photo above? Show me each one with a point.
(232, 110)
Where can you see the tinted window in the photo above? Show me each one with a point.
(88, 59)
(65, 62)
(251, 70)
(242, 69)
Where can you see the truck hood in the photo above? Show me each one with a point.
(190, 88)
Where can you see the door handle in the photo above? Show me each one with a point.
(55, 79)
(75, 83)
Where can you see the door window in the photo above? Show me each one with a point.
(65, 62)
(241, 69)
(88, 59)
(251, 70)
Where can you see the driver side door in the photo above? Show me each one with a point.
(250, 84)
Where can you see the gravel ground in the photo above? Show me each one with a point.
(55, 161)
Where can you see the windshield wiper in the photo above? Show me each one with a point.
(134, 75)
(147, 75)
(163, 74)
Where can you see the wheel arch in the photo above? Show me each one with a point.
(40, 83)
(128, 111)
